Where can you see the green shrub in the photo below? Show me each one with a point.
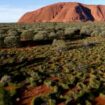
(59, 45)
(87, 44)
(102, 34)
(38, 101)
(13, 32)
(27, 35)
(5, 79)
(71, 33)
(42, 100)
(86, 31)
(41, 35)
(2, 31)
(12, 92)
(52, 35)
(1, 41)
(32, 82)
(5, 98)
(95, 33)
(59, 34)
(47, 82)
(12, 41)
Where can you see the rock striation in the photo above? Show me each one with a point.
(65, 12)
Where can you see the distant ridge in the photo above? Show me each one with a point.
(65, 12)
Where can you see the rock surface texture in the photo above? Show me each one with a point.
(65, 12)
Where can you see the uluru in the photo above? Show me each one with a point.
(65, 12)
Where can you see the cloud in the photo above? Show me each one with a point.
(12, 14)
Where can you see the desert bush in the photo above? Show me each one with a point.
(27, 35)
(102, 34)
(50, 29)
(1, 41)
(86, 31)
(87, 44)
(60, 33)
(2, 31)
(13, 32)
(59, 45)
(47, 82)
(95, 33)
(52, 35)
(71, 33)
(5, 79)
(42, 100)
(5, 98)
(38, 101)
(41, 35)
(12, 41)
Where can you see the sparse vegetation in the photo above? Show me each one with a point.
(68, 71)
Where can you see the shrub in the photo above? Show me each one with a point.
(5, 98)
(102, 34)
(59, 34)
(52, 35)
(72, 33)
(32, 82)
(86, 31)
(5, 79)
(2, 31)
(12, 41)
(38, 101)
(50, 29)
(87, 44)
(95, 33)
(41, 100)
(1, 41)
(27, 35)
(59, 45)
(41, 35)
(47, 82)
(13, 32)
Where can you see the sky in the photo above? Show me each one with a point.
(12, 10)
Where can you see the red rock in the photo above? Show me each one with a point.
(65, 12)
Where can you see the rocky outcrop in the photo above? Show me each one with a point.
(65, 12)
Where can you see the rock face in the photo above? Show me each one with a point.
(65, 12)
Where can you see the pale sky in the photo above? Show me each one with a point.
(12, 10)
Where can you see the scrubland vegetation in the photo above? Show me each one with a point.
(52, 64)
